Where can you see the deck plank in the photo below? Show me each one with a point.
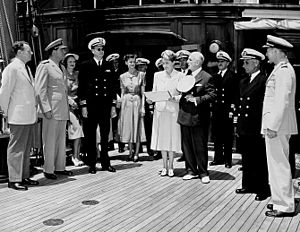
(137, 198)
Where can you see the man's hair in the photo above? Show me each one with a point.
(18, 45)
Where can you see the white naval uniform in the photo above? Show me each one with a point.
(279, 115)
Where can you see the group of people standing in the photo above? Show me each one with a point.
(264, 107)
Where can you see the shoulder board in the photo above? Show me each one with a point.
(284, 66)
(45, 62)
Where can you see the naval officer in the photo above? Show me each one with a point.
(51, 90)
(278, 124)
(96, 92)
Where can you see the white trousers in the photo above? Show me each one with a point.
(54, 145)
(280, 176)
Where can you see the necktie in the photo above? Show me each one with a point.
(28, 72)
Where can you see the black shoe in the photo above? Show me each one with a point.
(150, 153)
(64, 172)
(261, 197)
(240, 168)
(17, 186)
(270, 206)
(228, 165)
(181, 159)
(242, 191)
(129, 158)
(214, 163)
(157, 156)
(92, 170)
(109, 168)
(29, 181)
(276, 213)
(121, 149)
(135, 158)
(50, 176)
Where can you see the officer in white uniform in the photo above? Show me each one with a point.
(278, 124)
(51, 90)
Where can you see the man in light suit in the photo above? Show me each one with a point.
(51, 90)
(17, 100)
(278, 124)
(194, 117)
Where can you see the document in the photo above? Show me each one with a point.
(157, 96)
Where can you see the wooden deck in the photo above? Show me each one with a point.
(136, 198)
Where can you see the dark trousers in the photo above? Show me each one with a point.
(90, 127)
(194, 147)
(148, 127)
(222, 129)
(254, 161)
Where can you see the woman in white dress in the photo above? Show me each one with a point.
(166, 136)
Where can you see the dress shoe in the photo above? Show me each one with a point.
(181, 159)
(129, 158)
(276, 213)
(261, 197)
(135, 158)
(92, 170)
(242, 191)
(29, 181)
(240, 168)
(214, 163)
(121, 149)
(109, 168)
(205, 180)
(157, 156)
(17, 186)
(270, 206)
(190, 176)
(64, 172)
(50, 176)
(228, 165)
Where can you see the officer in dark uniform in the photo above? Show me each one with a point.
(142, 65)
(252, 145)
(222, 111)
(113, 60)
(96, 93)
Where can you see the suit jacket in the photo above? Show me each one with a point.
(226, 90)
(97, 86)
(52, 89)
(204, 91)
(17, 97)
(250, 103)
(279, 102)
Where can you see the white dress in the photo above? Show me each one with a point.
(166, 135)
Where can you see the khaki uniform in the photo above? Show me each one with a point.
(51, 89)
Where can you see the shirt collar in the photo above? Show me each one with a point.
(195, 73)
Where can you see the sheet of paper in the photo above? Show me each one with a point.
(158, 95)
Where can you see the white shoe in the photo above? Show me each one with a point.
(189, 176)
(205, 180)
(163, 172)
(76, 162)
(170, 173)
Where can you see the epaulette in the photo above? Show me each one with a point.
(45, 62)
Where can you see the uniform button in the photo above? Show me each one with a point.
(222, 101)
(241, 99)
(96, 86)
(240, 107)
(104, 95)
(104, 87)
(104, 79)
(246, 115)
(239, 114)
(247, 107)
(223, 89)
(248, 98)
(96, 94)
(223, 95)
